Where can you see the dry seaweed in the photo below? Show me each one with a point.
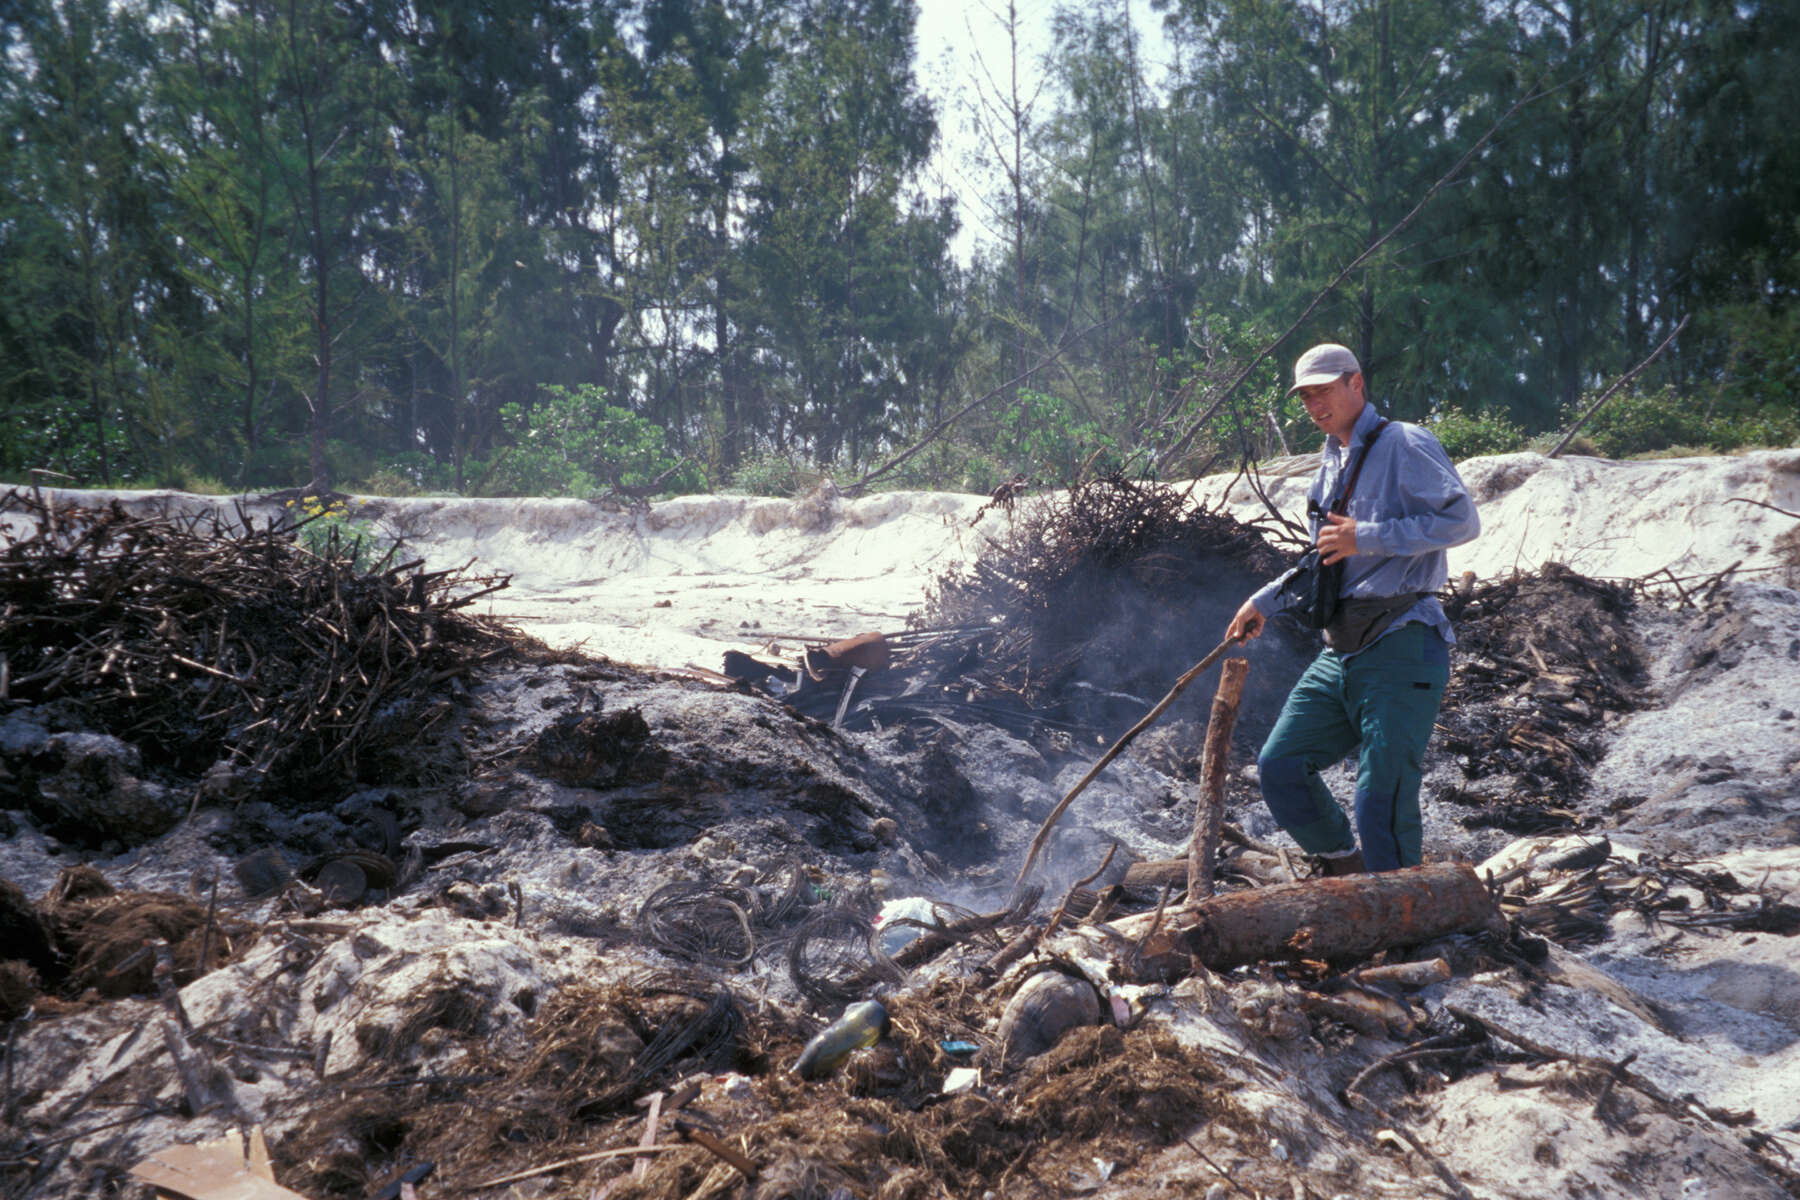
(594, 1049)
(97, 941)
(1100, 1092)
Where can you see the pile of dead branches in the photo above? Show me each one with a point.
(1541, 659)
(1089, 581)
(201, 641)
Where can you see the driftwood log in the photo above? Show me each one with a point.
(1215, 763)
(1343, 918)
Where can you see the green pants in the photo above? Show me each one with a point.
(1387, 698)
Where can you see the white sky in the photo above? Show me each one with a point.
(950, 34)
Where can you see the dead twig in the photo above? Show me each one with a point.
(1685, 1105)
(1445, 1044)
(1618, 383)
(1363, 1103)
(592, 1156)
(718, 1149)
(1784, 512)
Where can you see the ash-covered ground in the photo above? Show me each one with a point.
(581, 884)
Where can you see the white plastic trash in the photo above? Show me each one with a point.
(903, 908)
(961, 1079)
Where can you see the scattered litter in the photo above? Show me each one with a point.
(961, 1079)
(1045, 1007)
(229, 1168)
(861, 1025)
(903, 919)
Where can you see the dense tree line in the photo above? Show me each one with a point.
(553, 246)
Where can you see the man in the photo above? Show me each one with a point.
(1381, 678)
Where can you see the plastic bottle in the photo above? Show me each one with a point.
(861, 1025)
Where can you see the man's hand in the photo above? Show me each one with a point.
(1247, 624)
(1337, 538)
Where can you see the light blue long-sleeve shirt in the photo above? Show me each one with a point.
(1410, 506)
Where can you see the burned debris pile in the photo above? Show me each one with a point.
(1067, 588)
(693, 1083)
(1569, 890)
(227, 652)
(1080, 612)
(1542, 661)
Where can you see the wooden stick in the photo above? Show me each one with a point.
(1618, 383)
(1043, 834)
(1677, 1105)
(6, 1112)
(212, 908)
(594, 1156)
(1411, 975)
(1215, 763)
(1444, 1044)
(194, 1083)
(717, 1148)
(641, 1167)
(1784, 512)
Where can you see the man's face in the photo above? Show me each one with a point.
(1335, 406)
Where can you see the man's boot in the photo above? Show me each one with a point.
(1344, 864)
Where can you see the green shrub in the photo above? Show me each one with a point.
(979, 474)
(387, 481)
(416, 474)
(334, 528)
(950, 466)
(1581, 446)
(1470, 435)
(1658, 421)
(573, 443)
(1639, 422)
(278, 463)
(773, 474)
(204, 485)
(1049, 439)
(525, 474)
(1771, 424)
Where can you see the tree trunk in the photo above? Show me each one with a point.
(731, 442)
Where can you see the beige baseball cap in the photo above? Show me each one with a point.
(1324, 364)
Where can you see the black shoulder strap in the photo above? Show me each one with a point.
(1343, 501)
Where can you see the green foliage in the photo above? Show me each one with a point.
(573, 443)
(1048, 438)
(955, 466)
(1647, 422)
(332, 528)
(183, 477)
(412, 474)
(1638, 422)
(774, 474)
(1472, 434)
